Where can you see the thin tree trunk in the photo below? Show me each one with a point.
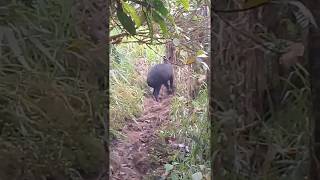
(171, 52)
(314, 62)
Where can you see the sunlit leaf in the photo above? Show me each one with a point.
(185, 4)
(159, 6)
(163, 27)
(149, 22)
(158, 19)
(126, 21)
(132, 11)
(201, 52)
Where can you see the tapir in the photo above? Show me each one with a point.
(158, 75)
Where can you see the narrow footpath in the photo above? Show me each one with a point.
(133, 157)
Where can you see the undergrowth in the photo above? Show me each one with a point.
(279, 144)
(126, 96)
(190, 127)
(51, 110)
(128, 81)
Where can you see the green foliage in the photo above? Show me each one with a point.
(185, 4)
(283, 135)
(131, 17)
(191, 118)
(127, 86)
(132, 12)
(126, 21)
(160, 7)
(125, 100)
(158, 19)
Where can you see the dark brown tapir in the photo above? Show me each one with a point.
(161, 74)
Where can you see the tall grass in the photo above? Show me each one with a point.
(281, 142)
(190, 126)
(126, 96)
(128, 69)
(51, 123)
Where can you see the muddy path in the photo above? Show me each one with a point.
(140, 153)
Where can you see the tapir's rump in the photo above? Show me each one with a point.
(159, 75)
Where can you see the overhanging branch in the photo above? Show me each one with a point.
(239, 10)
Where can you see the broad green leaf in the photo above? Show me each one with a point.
(126, 21)
(185, 4)
(158, 19)
(163, 27)
(133, 13)
(149, 22)
(200, 52)
(168, 167)
(252, 3)
(159, 6)
(197, 176)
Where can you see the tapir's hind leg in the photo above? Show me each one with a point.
(156, 91)
(171, 84)
(168, 87)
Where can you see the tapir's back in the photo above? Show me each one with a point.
(159, 74)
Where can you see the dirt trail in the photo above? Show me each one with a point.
(131, 157)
